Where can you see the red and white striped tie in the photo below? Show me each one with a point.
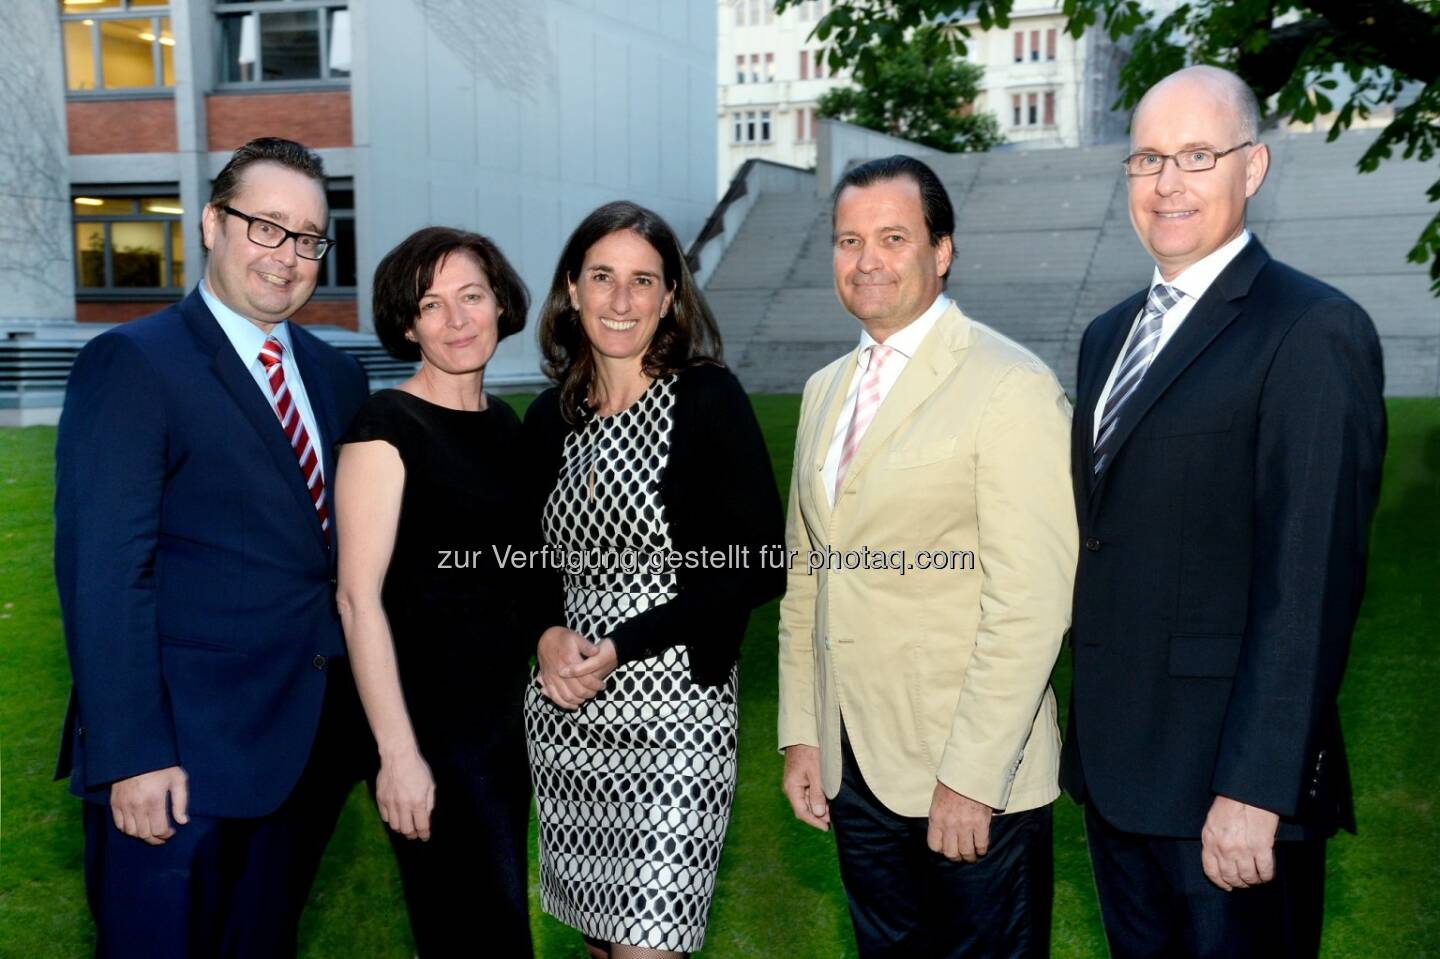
(867, 401)
(271, 356)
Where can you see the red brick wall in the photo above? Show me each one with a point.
(329, 313)
(122, 126)
(109, 311)
(315, 119)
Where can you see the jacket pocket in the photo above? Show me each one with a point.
(200, 644)
(921, 455)
(1204, 654)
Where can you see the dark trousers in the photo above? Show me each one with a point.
(466, 887)
(227, 887)
(910, 903)
(1156, 901)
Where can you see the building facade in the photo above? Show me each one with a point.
(1046, 88)
(510, 117)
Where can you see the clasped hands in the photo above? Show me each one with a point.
(958, 826)
(573, 669)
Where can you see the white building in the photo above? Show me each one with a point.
(1046, 88)
(771, 74)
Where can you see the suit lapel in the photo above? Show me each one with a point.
(232, 373)
(1216, 310)
(932, 362)
(819, 444)
(1113, 330)
(318, 389)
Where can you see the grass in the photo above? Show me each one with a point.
(778, 894)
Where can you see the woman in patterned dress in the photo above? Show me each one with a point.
(658, 500)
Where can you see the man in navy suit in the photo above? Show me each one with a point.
(1228, 435)
(213, 730)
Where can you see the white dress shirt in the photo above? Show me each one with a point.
(1191, 284)
(247, 340)
(904, 342)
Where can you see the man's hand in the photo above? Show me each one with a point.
(1237, 844)
(959, 826)
(558, 648)
(138, 804)
(801, 782)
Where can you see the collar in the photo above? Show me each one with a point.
(1196, 278)
(244, 335)
(906, 340)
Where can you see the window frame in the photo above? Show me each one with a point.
(134, 192)
(220, 9)
(325, 286)
(154, 14)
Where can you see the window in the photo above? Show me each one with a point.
(755, 12)
(814, 121)
(122, 45)
(337, 270)
(283, 41)
(739, 12)
(755, 129)
(754, 68)
(819, 64)
(1049, 108)
(1015, 106)
(804, 11)
(1034, 44)
(1019, 46)
(769, 68)
(740, 68)
(1032, 109)
(739, 128)
(804, 64)
(127, 242)
(800, 126)
(1050, 44)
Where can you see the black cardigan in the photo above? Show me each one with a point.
(718, 490)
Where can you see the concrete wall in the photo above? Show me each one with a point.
(841, 145)
(37, 271)
(515, 118)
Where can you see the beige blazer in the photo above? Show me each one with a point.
(938, 673)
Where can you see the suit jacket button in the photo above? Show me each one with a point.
(1092, 544)
(334, 581)
(318, 662)
(79, 730)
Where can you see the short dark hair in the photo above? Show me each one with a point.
(687, 334)
(934, 200)
(407, 271)
(286, 153)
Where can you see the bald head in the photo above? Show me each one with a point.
(1183, 215)
(1187, 88)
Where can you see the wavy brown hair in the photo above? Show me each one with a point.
(686, 335)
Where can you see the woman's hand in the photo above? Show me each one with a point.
(559, 650)
(405, 793)
(597, 665)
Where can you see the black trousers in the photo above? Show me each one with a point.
(910, 903)
(1156, 901)
(466, 887)
(228, 887)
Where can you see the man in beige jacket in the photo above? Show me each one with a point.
(933, 545)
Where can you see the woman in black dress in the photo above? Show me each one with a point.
(426, 485)
(660, 496)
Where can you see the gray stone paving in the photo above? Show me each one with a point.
(1044, 244)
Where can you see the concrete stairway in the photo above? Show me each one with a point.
(1044, 244)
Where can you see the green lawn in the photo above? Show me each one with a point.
(779, 895)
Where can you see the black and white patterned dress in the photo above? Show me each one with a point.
(633, 790)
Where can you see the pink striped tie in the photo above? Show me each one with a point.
(271, 355)
(867, 401)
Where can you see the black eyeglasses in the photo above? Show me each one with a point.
(1191, 161)
(265, 233)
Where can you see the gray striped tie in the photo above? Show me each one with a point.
(1136, 360)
